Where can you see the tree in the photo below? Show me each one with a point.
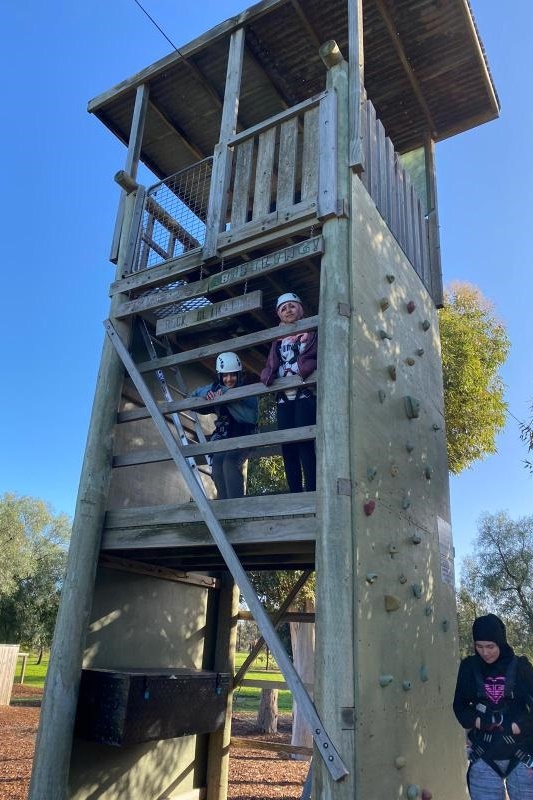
(526, 434)
(31, 575)
(474, 347)
(503, 566)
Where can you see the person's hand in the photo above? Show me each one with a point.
(211, 394)
(515, 729)
(477, 723)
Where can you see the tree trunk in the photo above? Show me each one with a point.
(267, 716)
(303, 651)
(41, 651)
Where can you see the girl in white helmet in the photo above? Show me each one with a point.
(238, 418)
(294, 354)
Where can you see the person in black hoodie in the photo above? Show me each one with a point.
(494, 702)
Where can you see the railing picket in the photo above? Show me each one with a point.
(241, 184)
(310, 154)
(288, 140)
(264, 173)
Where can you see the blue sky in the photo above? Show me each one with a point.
(59, 203)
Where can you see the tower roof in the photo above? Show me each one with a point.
(425, 72)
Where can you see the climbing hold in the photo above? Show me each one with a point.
(390, 278)
(393, 549)
(392, 372)
(409, 446)
(381, 395)
(369, 507)
(426, 325)
(412, 407)
(417, 590)
(384, 304)
(400, 762)
(445, 625)
(426, 794)
(424, 674)
(384, 680)
(391, 603)
(406, 503)
(407, 685)
(416, 538)
(410, 307)
(371, 577)
(410, 362)
(435, 427)
(394, 470)
(428, 611)
(402, 578)
(371, 473)
(413, 791)
(428, 472)
(384, 335)
(420, 351)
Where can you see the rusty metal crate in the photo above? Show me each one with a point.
(123, 707)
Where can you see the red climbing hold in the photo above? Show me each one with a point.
(410, 307)
(426, 794)
(369, 507)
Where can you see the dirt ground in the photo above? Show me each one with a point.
(254, 775)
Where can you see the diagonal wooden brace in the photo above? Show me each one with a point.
(325, 748)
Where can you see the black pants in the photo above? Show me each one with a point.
(298, 457)
(228, 473)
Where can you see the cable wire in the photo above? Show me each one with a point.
(161, 31)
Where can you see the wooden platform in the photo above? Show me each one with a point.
(268, 532)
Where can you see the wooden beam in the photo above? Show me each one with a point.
(197, 403)
(153, 571)
(266, 684)
(437, 290)
(213, 312)
(132, 159)
(244, 508)
(356, 78)
(394, 34)
(288, 616)
(236, 344)
(175, 129)
(135, 457)
(265, 535)
(273, 747)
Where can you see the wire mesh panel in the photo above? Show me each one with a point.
(174, 215)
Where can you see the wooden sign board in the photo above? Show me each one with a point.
(229, 277)
(231, 307)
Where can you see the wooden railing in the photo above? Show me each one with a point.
(281, 170)
(395, 197)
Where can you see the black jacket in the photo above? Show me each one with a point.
(517, 708)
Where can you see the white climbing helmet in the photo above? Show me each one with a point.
(228, 362)
(288, 297)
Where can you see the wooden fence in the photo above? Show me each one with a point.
(8, 662)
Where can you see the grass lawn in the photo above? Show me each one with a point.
(246, 698)
(35, 673)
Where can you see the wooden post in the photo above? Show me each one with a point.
(216, 210)
(132, 160)
(356, 103)
(54, 738)
(334, 699)
(433, 223)
(219, 742)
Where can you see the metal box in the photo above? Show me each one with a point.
(130, 706)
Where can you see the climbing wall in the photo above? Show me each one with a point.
(405, 623)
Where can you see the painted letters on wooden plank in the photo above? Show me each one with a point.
(230, 277)
(210, 313)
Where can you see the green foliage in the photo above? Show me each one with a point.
(31, 575)
(474, 347)
(266, 475)
(499, 577)
(526, 434)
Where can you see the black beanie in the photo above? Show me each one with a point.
(489, 628)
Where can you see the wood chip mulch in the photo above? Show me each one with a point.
(254, 774)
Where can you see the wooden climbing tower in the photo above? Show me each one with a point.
(292, 148)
